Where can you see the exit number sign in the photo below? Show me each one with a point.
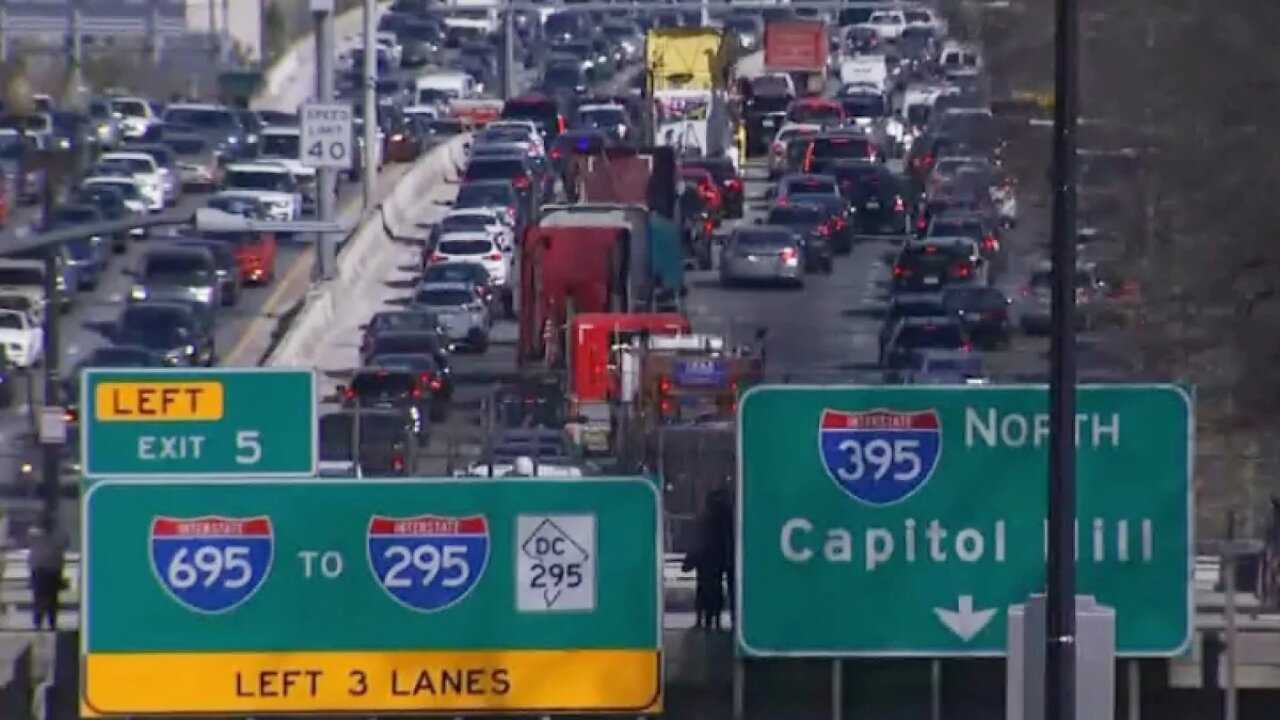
(227, 422)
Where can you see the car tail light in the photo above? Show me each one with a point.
(494, 256)
(838, 222)
(782, 202)
(899, 205)
(921, 222)
(966, 347)
(1025, 291)
(900, 270)
(989, 242)
(555, 153)
(824, 229)
(733, 184)
(779, 149)
(787, 253)
(962, 270)
(348, 393)
(521, 181)
(708, 225)
(435, 258)
(415, 391)
(397, 462)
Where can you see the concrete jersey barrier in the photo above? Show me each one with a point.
(369, 242)
(301, 58)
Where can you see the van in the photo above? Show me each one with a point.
(869, 70)
(456, 85)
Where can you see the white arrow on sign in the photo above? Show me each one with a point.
(964, 621)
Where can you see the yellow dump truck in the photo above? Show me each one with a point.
(687, 58)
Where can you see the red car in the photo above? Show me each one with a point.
(256, 256)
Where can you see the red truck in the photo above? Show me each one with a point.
(566, 268)
(798, 47)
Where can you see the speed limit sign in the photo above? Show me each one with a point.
(328, 136)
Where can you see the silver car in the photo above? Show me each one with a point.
(463, 315)
(1035, 306)
(768, 253)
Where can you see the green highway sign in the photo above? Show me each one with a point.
(905, 520)
(225, 422)
(372, 596)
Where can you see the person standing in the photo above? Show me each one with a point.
(47, 560)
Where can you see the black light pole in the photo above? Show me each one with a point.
(1060, 625)
(51, 453)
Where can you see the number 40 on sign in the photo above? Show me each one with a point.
(328, 136)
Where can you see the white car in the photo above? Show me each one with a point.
(130, 190)
(477, 247)
(134, 115)
(528, 126)
(888, 24)
(491, 222)
(21, 337)
(146, 171)
(272, 182)
(391, 43)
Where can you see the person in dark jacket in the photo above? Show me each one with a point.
(47, 557)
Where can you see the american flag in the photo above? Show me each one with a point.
(1269, 564)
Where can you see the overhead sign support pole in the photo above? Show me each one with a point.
(326, 178)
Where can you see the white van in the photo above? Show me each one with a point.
(872, 70)
(457, 85)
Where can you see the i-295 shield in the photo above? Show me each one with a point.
(880, 457)
(211, 563)
(428, 562)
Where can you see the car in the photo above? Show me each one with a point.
(86, 257)
(275, 184)
(610, 118)
(808, 185)
(146, 171)
(243, 204)
(464, 318)
(395, 321)
(472, 247)
(789, 133)
(435, 377)
(107, 356)
(226, 266)
(496, 195)
(171, 330)
(382, 387)
(176, 272)
(984, 312)
(876, 196)
(386, 440)
(471, 273)
(725, 173)
(111, 204)
(1035, 305)
(511, 169)
(845, 144)
(425, 341)
(814, 227)
(135, 115)
(128, 189)
(933, 263)
(974, 226)
(762, 253)
(22, 338)
(255, 255)
(931, 366)
(489, 221)
(942, 332)
(281, 145)
(166, 165)
(196, 158)
(218, 125)
(910, 304)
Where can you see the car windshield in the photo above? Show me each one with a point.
(841, 147)
(382, 385)
(134, 165)
(183, 268)
(865, 106)
(282, 145)
(965, 364)
(80, 248)
(942, 336)
(151, 327)
(464, 222)
(11, 321)
(258, 180)
(247, 207)
(202, 118)
(127, 188)
(495, 168)
(770, 103)
(443, 298)
(394, 321)
(186, 145)
(21, 276)
(763, 241)
(603, 118)
(816, 113)
(796, 216)
(130, 108)
(810, 186)
(337, 432)
(465, 247)
(484, 196)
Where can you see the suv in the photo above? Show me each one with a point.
(386, 388)
(929, 265)
(387, 443)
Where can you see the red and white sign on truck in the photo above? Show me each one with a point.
(799, 47)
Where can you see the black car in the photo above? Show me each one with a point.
(876, 195)
(391, 321)
(928, 266)
(171, 330)
(513, 170)
(110, 203)
(434, 378)
(228, 268)
(974, 226)
(908, 305)
(726, 175)
(380, 387)
(942, 332)
(388, 445)
(429, 342)
(813, 224)
(984, 312)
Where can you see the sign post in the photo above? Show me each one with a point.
(374, 596)
(226, 422)
(920, 512)
(327, 136)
